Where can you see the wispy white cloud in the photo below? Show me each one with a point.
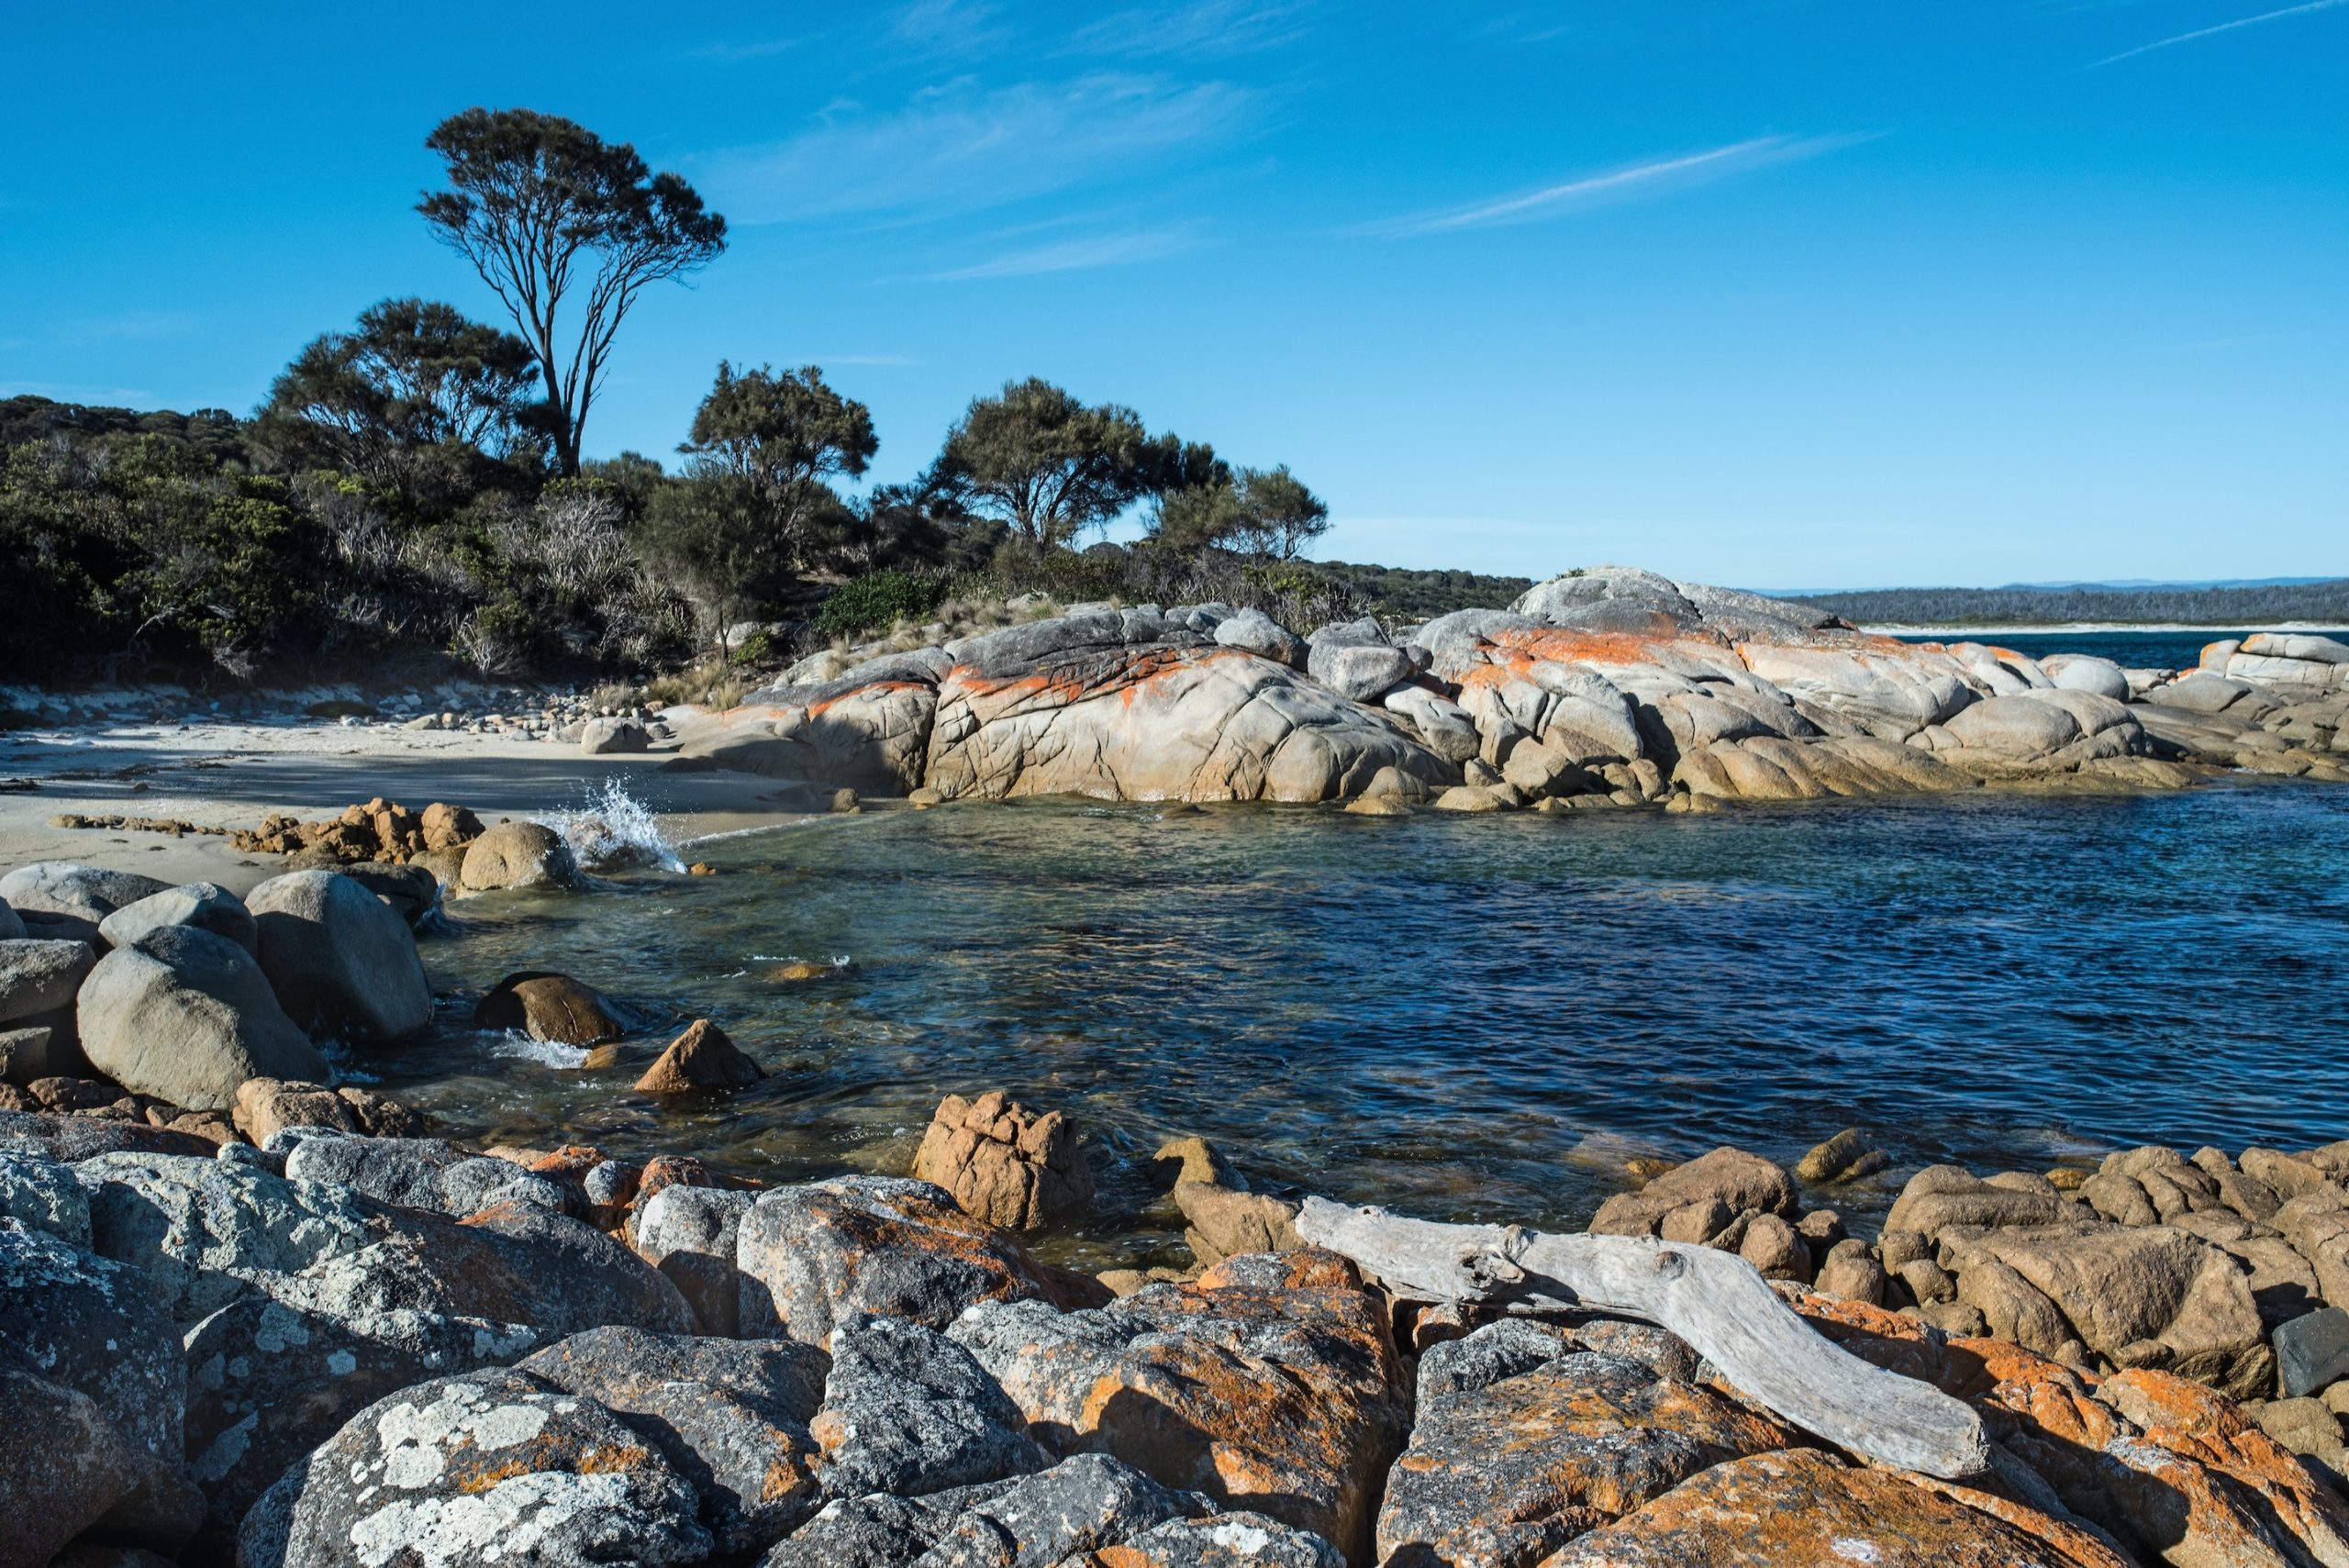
(2212, 32)
(947, 27)
(959, 148)
(728, 51)
(1650, 178)
(1201, 30)
(1080, 254)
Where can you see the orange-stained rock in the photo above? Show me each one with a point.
(548, 1007)
(1004, 1163)
(447, 827)
(1272, 1383)
(701, 1058)
(1800, 1509)
(1507, 1471)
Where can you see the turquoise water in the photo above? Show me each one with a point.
(1462, 1016)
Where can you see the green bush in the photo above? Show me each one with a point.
(877, 601)
(753, 649)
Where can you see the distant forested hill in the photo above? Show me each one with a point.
(1398, 591)
(2278, 604)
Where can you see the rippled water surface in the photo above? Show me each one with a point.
(1459, 1015)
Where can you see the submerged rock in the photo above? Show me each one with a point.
(548, 1007)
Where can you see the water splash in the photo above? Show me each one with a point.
(516, 1046)
(614, 831)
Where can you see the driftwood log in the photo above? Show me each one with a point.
(1714, 1300)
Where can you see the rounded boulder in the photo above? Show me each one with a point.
(341, 959)
(203, 905)
(186, 1014)
(518, 854)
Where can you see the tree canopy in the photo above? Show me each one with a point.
(551, 215)
(1047, 465)
(415, 375)
(1255, 511)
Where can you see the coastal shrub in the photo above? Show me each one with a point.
(878, 600)
(753, 649)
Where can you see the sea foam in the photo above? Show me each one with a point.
(614, 831)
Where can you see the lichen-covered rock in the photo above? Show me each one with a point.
(582, 1278)
(689, 1233)
(1271, 1384)
(342, 961)
(810, 1257)
(518, 855)
(490, 1466)
(93, 1382)
(731, 1416)
(204, 905)
(1242, 1539)
(269, 1382)
(548, 1007)
(1004, 1163)
(877, 1530)
(908, 1411)
(203, 1230)
(404, 1171)
(1510, 1471)
(1801, 1508)
(43, 1194)
(187, 1016)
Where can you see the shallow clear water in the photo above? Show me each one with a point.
(1462, 1016)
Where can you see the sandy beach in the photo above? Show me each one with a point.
(231, 775)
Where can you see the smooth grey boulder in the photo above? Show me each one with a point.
(908, 1411)
(412, 891)
(489, 1467)
(1356, 661)
(1443, 724)
(41, 977)
(268, 1381)
(11, 928)
(1253, 631)
(731, 1414)
(58, 898)
(43, 1194)
(688, 1234)
(342, 960)
(186, 1015)
(203, 905)
(202, 1231)
(31, 1052)
(92, 1381)
(612, 736)
(2087, 672)
(518, 855)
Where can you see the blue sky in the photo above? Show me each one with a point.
(1775, 293)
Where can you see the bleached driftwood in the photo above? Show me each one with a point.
(1714, 1300)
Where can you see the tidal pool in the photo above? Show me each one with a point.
(1461, 1016)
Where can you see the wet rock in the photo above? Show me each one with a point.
(701, 1058)
(1004, 1163)
(341, 962)
(730, 1416)
(38, 979)
(689, 1233)
(1271, 1384)
(1842, 1158)
(1223, 1223)
(92, 1380)
(1509, 1472)
(485, 1466)
(1803, 1508)
(203, 905)
(908, 1411)
(518, 855)
(1738, 1182)
(810, 1257)
(201, 1230)
(60, 900)
(269, 1382)
(548, 1007)
(412, 891)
